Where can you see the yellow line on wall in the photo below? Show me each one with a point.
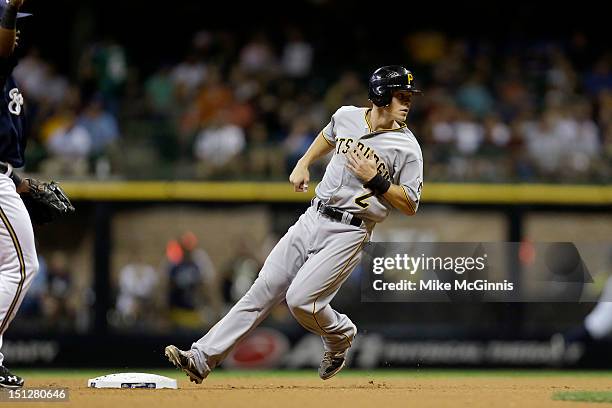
(283, 192)
(518, 194)
(184, 191)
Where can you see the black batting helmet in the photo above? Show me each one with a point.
(4, 4)
(386, 80)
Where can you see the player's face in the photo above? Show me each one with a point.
(400, 105)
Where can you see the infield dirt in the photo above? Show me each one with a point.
(348, 391)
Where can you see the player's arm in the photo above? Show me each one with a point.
(300, 176)
(8, 37)
(7, 28)
(398, 198)
(365, 170)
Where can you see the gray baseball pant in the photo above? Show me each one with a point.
(307, 268)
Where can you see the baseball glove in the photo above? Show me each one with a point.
(46, 202)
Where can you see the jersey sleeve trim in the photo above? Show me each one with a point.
(329, 142)
(410, 202)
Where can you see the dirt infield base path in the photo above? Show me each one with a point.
(351, 390)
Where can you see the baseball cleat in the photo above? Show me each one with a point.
(185, 361)
(9, 380)
(331, 364)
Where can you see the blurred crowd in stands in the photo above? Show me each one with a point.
(56, 301)
(185, 291)
(535, 112)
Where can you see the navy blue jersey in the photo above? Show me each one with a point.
(12, 118)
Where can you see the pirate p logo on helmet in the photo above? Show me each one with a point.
(386, 80)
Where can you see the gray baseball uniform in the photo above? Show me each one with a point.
(317, 254)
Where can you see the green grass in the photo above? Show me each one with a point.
(383, 373)
(584, 396)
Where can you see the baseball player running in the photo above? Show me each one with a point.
(377, 164)
(46, 201)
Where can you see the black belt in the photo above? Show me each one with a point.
(338, 215)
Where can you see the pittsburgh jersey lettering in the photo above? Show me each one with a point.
(344, 144)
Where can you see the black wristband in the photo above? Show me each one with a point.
(16, 179)
(9, 17)
(379, 185)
